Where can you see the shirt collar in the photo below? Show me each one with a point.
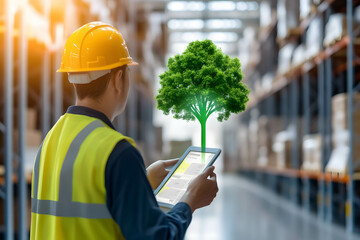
(81, 110)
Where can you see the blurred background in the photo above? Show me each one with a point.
(289, 164)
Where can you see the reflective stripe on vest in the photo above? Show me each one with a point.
(65, 207)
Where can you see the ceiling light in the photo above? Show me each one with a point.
(186, 24)
(223, 23)
(185, 6)
(221, 6)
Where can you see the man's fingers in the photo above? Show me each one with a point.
(170, 162)
(208, 171)
(213, 176)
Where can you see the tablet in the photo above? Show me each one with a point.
(192, 163)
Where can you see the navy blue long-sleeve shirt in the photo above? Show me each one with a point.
(129, 196)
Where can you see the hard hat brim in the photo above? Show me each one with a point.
(108, 67)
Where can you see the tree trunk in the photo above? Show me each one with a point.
(203, 136)
(203, 140)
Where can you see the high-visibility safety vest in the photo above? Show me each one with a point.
(68, 195)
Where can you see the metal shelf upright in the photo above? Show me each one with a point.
(22, 106)
(350, 218)
(8, 192)
(294, 126)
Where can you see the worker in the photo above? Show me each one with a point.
(89, 181)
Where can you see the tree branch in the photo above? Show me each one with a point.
(210, 112)
(194, 108)
(210, 108)
(195, 112)
(212, 103)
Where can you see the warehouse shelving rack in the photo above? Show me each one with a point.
(49, 96)
(305, 91)
(17, 177)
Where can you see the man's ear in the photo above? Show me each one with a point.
(117, 80)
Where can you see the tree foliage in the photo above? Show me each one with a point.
(200, 81)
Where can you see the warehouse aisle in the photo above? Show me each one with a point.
(244, 210)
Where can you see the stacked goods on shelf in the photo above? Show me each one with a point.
(247, 46)
(299, 55)
(340, 112)
(285, 56)
(267, 14)
(314, 38)
(288, 17)
(32, 141)
(266, 155)
(281, 16)
(263, 141)
(256, 83)
(317, 2)
(357, 15)
(234, 146)
(305, 8)
(243, 152)
(267, 81)
(336, 29)
(253, 135)
(282, 144)
(312, 153)
(338, 162)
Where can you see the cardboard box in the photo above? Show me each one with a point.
(283, 156)
(31, 115)
(264, 140)
(33, 138)
(340, 112)
(312, 145)
(243, 145)
(31, 118)
(282, 148)
(338, 162)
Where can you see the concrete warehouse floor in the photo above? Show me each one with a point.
(245, 210)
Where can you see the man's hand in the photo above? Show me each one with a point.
(201, 190)
(157, 171)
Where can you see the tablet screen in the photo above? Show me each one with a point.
(177, 184)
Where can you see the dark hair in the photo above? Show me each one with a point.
(97, 87)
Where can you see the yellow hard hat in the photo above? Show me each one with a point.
(93, 47)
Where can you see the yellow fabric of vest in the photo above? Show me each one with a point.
(68, 186)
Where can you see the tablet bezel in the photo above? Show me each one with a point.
(216, 151)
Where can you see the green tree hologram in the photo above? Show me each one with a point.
(200, 81)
